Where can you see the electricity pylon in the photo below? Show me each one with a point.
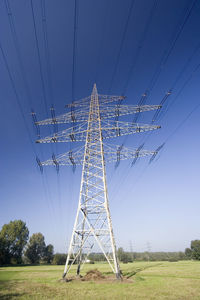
(93, 221)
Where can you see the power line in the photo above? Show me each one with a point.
(195, 108)
(40, 63)
(182, 88)
(141, 42)
(175, 36)
(17, 98)
(195, 51)
(175, 130)
(74, 47)
(39, 58)
(182, 122)
(166, 55)
(164, 58)
(162, 115)
(17, 48)
(19, 104)
(180, 31)
(48, 200)
(27, 89)
(101, 42)
(51, 93)
(175, 99)
(48, 62)
(47, 54)
(196, 68)
(19, 57)
(135, 59)
(121, 45)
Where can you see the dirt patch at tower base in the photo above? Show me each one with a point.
(96, 276)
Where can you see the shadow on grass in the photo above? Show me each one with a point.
(24, 265)
(11, 295)
(5, 290)
(134, 272)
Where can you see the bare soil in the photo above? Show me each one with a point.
(97, 276)
(93, 275)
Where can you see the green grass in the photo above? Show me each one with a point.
(149, 280)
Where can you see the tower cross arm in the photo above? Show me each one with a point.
(117, 128)
(81, 115)
(69, 117)
(104, 99)
(71, 158)
(115, 153)
(79, 103)
(73, 134)
(112, 153)
(109, 129)
(121, 110)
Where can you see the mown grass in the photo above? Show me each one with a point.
(150, 280)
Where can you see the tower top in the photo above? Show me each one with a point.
(94, 91)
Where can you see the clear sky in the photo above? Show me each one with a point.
(125, 47)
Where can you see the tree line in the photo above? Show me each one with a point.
(17, 248)
(124, 256)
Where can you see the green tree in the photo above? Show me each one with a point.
(48, 254)
(35, 250)
(120, 253)
(13, 238)
(181, 255)
(188, 253)
(59, 259)
(123, 256)
(195, 248)
(4, 252)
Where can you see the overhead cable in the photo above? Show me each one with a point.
(39, 59)
(18, 52)
(121, 45)
(174, 39)
(140, 45)
(17, 98)
(47, 53)
(74, 49)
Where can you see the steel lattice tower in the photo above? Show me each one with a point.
(93, 223)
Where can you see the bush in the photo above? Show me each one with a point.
(59, 259)
(173, 259)
(92, 262)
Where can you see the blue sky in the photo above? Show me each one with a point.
(156, 48)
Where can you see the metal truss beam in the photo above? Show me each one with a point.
(106, 112)
(109, 129)
(111, 154)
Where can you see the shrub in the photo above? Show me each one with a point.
(92, 262)
(173, 259)
(59, 259)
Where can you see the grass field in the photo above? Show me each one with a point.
(149, 280)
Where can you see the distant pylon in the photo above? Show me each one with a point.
(93, 223)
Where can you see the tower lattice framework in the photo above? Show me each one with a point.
(93, 225)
